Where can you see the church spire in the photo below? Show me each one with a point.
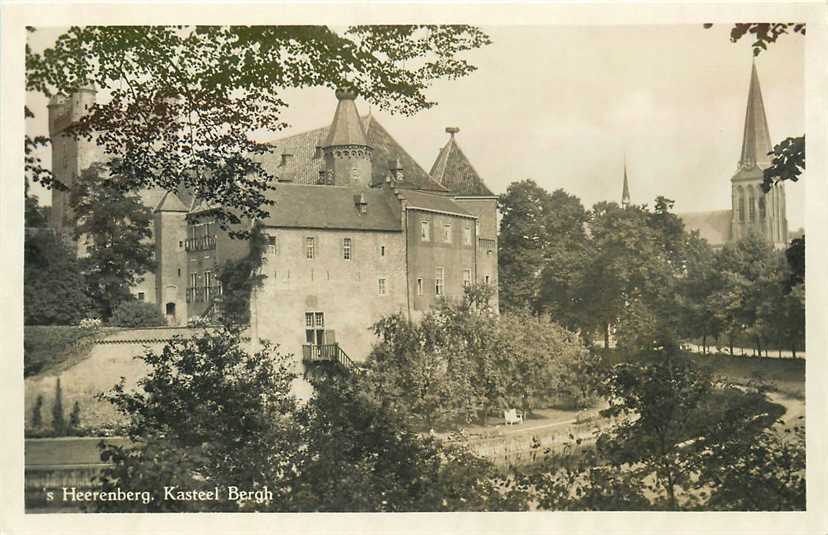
(756, 140)
(625, 194)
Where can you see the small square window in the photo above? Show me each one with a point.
(140, 296)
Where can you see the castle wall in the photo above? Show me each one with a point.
(346, 292)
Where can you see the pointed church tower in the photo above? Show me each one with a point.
(346, 150)
(625, 194)
(755, 211)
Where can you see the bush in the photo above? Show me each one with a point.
(45, 346)
(137, 314)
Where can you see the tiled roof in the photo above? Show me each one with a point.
(434, 202)
(453, 170)
(170, 203)
(305, 162)
(346, 128)
(332, 207)
(713, 226)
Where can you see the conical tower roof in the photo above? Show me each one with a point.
(756, 139)
(453, 170)
(346, 128)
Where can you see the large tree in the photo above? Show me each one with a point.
(542, 248)
(183, 104)
(113, 227)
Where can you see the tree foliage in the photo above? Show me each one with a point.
(679, 440)
(184, 102)
(53, 284)
(114, 228)
(212, 414)
(460, 362)
(137, 314)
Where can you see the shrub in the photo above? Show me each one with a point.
(137, 314)
(74, 417)
(37, 413)
(45, 346)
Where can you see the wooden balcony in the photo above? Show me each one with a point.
(206, 243)
(313, 354)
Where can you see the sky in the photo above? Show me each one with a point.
(566, 105)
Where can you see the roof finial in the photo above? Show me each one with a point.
(452, 130)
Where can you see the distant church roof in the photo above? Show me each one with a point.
(756, 142)
(453, 170)
(713, 226)
(298, 158)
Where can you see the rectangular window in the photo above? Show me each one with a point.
(487, 279)
(310, 248)
(193, 280)
(466, 277)
(467, 233)
(346, 248)
(419, 286)
(140, 296)
(381, 286)
(439, 273)
(315, 328)
(447, 232)
(272, 244)
(425, 230)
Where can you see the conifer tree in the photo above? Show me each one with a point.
(37, 412)
(58, 421)
(74, 417)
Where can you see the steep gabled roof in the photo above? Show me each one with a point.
(453, 170)
(170, 203)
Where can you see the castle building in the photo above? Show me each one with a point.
(357, 230)
(752, 210)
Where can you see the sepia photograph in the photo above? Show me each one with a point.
(431, 268)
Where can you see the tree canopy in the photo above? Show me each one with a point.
(184, 102)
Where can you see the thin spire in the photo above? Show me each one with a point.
(625, 194)
(756, 139)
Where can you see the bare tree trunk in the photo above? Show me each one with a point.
(704, 344)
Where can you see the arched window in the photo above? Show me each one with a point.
(751, 204)
(762, 209)
(740, 199)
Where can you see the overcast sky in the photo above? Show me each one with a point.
(563, 105)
